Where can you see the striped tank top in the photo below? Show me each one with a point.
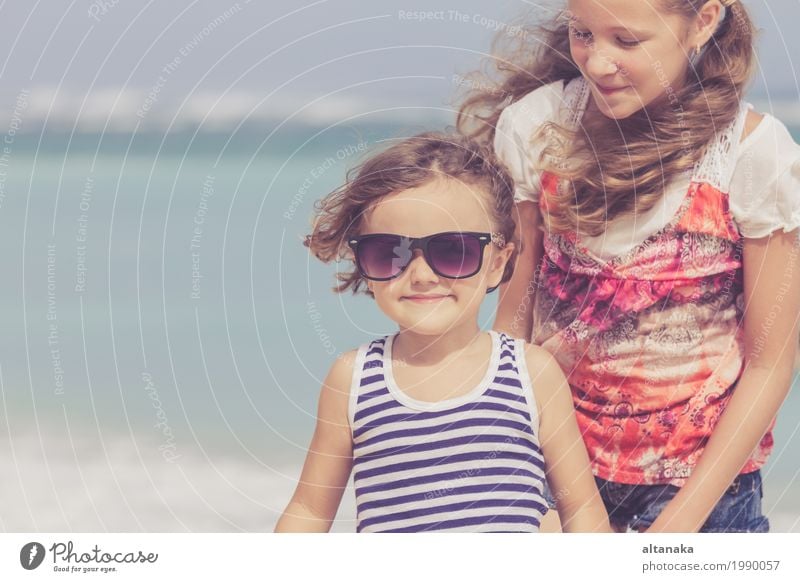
(471, 463)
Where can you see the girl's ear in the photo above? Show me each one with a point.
(706, 23)
(498, 266)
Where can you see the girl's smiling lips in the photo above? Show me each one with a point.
(608, 90)
(425, 298)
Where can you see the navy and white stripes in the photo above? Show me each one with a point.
(471, 463)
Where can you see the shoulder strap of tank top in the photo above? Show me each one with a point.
(527, 383)
(361, 368)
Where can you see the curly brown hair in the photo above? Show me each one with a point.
(410, 163)
(620, 166)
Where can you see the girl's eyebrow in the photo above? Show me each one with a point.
(572, 18)
(631, 30)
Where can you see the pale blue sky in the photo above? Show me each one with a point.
(108, 57)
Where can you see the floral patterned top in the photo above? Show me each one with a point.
(651, 340)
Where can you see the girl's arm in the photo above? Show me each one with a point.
(569, 473)
(329, 460)
(514, 309)
(772, 304)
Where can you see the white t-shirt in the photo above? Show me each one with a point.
(761, 174)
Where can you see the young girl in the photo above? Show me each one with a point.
(445, 427)
(666, 282)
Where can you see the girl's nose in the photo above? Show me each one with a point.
(420, 271)
(600, 64)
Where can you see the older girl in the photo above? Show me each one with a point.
(659, 217)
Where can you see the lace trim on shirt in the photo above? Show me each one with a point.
(576, 97)
(718, 164)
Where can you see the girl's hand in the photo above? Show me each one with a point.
(568, 470)
(330, 457)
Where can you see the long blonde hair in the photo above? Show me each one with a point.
(615, 168)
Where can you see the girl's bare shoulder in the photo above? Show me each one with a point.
(537, 354)
(543, 367)
(334, 396)
(550, 388)
(751, 123)
(341, 372)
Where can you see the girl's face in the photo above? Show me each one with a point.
(418, 299)
(632, 52)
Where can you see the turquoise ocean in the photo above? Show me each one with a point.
(166, 332)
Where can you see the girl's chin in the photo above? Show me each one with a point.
(431, 325)
(617, 111)
(615, 108)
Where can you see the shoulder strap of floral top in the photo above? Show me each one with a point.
(717, 166)
(576, 98)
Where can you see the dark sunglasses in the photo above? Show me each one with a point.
(453, 255)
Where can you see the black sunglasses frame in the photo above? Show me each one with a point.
(484, 238)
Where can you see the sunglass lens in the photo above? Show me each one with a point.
(383, 257)
(455, 255)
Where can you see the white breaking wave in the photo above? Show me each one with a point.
(124, 110)
(125, 486)
(117, 110)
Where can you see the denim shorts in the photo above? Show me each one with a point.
(638, 506)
